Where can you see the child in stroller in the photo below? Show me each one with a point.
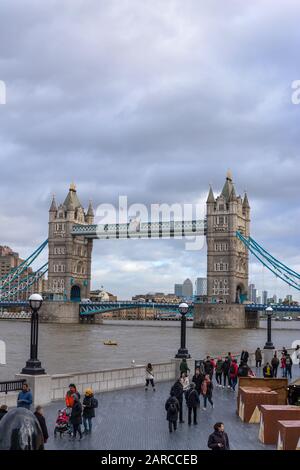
(62, 425)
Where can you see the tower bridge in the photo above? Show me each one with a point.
(72, 232)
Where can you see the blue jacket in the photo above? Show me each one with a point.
(24, 400)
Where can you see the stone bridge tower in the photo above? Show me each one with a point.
(227, 257)
(69, 256)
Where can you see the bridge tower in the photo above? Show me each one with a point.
(227, 257)
(69, 256)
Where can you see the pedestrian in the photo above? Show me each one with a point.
(219, 370)
(206, 391)
(177, 392)
(258, 357)
(288, 365)
(3, 411)
(229, 355)
(218, 440)
(283, 365)
(193, 401)
(39, 414)
(25, 397)
(225, 370)
(184, 367)
(243, 370)
(69, 395)
(198, 379)
(89, 404)
(185, 382)
(268, 371)
(233, 374)
(244, 357)
(209, 366)
(275, 364)
(149, 377)
(284, 350)
(172, 408)
(76, 416)
(298, 353)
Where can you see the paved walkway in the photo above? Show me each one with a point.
(135, 419)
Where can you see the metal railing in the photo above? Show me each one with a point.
(11, 386)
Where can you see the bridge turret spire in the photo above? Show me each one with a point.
(211, 197)
(246, 204)
(53, 207)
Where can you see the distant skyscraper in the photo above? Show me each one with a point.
(201, 286)
(264, 297)
(178, 290)
(252, 293)
(275, 299)
(258, 300)
(187, 288)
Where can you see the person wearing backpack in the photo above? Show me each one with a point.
(225, 369)
(233, 374)
(288, 365)
(172, 408)
(193, 401)
(275, 364)
(89, 405)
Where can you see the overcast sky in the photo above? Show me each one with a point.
(153, 100)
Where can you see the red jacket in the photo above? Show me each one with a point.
(233, 373)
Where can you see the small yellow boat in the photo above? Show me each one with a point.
(109, 342)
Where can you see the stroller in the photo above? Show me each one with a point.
(62, 425)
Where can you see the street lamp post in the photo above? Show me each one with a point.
(269, 346)
(33, 365)
(183, 352)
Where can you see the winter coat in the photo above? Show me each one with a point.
(207, 388)
(185, 383)
(172, 416)
(88, 407)
(24, 399)
(149, 374)
(76, 413)
(244, 356)
(268, 372)
(69, 399)
(192, 398)
(275, 362)
(43, 425)
(198, 379)
(225, 367)
(258, 355)
(184, 367)
(216, 438)
(282, 363)
(177, 389)
(219, 366)
(288, 361)
(233, 370)
(209, 368)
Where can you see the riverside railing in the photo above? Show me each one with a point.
(11, 386)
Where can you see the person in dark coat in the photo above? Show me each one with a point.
(218, 440)
(209, 368)
(225, 370)
(258, 357)
(172, 408)
(275, 364)
(244, 357)
(177, 391)
(197, 380)
(89, 405)
(3, 411)
(184, 368)
(39, 414)
(193, 402)
(76, 416)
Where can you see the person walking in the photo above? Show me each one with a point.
(149, 377)
(25, 397)
(209, 366)
(275, 364)
(258, 357)
(268, 371)
(197, 380)
(3, 411)
(172, 408)
(218, 440)
(193, 401)
(177, 392)
(69, 396)
(206, 391)
(288, 365)
(185, 381)
(219, 371)
(225, 369)
(184, 367)
(89, 404)
(233, 374)
(283, 365)
(244, 357)
(76, 416)
(39, 414)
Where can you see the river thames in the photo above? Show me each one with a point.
(78, 348)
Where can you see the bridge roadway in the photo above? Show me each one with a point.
(135, 419)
